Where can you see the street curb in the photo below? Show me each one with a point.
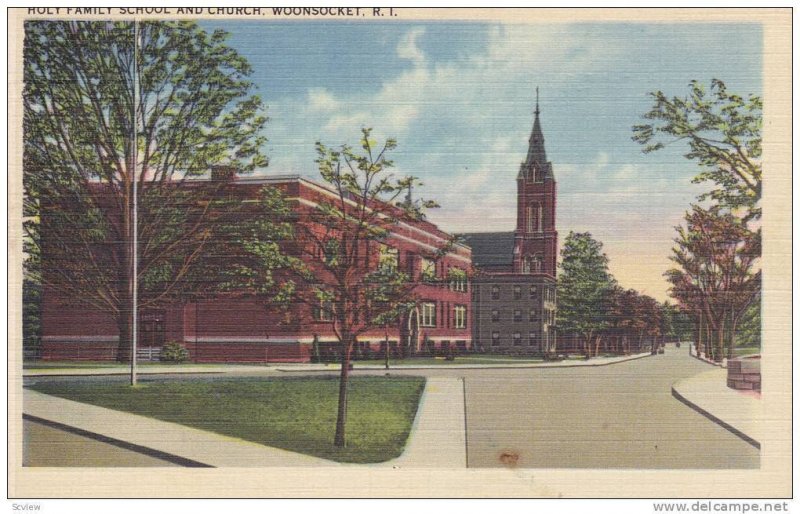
(144, 450)
(467, 366)
(707, 361)
(44, 374)
(735, 431)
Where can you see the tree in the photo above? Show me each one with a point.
(350, 277)
(584, 290)
(88, 87)
(715, 277)
(632, 317)
(723, 131)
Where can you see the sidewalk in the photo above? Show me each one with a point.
(146, 370)
(738, 412)
(598, 361)
(693, 353)
(437, 436)
(307, 367)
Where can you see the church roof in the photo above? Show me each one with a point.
(490, 248)
(537, 156)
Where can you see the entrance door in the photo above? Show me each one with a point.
(412, 332)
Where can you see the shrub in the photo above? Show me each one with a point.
(174, 352)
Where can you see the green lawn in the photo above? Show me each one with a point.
(297, 414)
(742, 351)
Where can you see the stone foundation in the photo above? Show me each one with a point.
(745, 374)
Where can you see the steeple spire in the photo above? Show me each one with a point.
(536, 165)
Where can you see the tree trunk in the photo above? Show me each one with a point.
(339, 439)
(698, 329)
(720, 342)
(597, 346)
(124, 326)
(732, 344)
(708, 348)
(125, 313)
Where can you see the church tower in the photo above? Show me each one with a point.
(535, 238)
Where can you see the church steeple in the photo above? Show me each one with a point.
(536, 166)
(536, 238)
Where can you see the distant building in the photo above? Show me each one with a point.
(238, 329)
(514, 288)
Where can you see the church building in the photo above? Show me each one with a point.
(514, 287)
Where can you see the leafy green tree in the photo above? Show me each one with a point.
(723, 131)
(88, 87)
(748, 334)
(346, 278)
(716, 275)
(584, 290)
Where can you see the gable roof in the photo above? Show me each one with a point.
(490, 248)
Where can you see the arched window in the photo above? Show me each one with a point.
(539, 218)
(536, 264)
(534, 218)
(529, 217)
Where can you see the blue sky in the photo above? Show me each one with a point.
(459, 98)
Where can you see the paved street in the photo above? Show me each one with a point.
(620, 416)
(617, 416)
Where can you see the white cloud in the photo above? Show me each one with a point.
(602, 160)
(321, 100)
(475, 103)
(407, 47)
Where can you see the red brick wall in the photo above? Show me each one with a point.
(229, 329)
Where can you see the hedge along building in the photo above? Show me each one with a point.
(231, 327)
(514, 288)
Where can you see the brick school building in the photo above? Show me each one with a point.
(235, 328)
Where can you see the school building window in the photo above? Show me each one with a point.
(388, 258)
(427, 270)
(460, 316)
(428, 314)
(324, 311)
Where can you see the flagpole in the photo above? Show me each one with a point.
(135, 271)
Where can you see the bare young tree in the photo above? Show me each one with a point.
(350, 276)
